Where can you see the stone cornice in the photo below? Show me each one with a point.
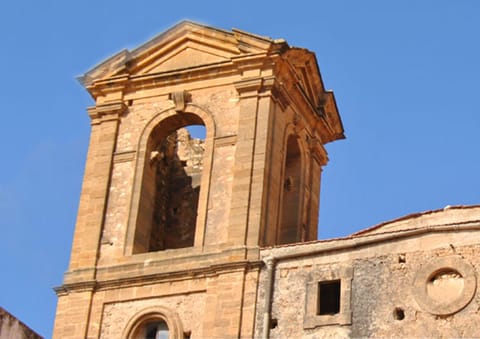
(124, 156)
(248, 87)
(131, 82)
(252, 61)
(317, 150)
(106, 111)
(106, 86)
(279, 95)
(84, 286)
(351, 243)
(300, 101)
(263, 86)
(142, 279)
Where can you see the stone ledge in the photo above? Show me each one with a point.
(161, 266)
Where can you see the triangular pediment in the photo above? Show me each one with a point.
(306, 69)
(188, 54)
(322, 101)
(185, 45)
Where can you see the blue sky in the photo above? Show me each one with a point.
(405, 75)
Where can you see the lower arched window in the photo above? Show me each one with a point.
(154, 323)
(155, 329)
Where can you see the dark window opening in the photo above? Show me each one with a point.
(273, 323)
(398, 313)
(288, 184)
(328, 297)
(156, 330)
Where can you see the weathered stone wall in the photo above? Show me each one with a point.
(224, 109)
(12, 328)
(117, 314)
(388, 290)
(219, 203)
(384, 303)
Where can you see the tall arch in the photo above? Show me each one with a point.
(291, 204)
(153, 223)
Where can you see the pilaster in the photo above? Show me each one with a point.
(242, 174)
(73, 312)
(93, 199)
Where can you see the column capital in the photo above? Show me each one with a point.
(317, 151)
(248, 87)
(106, 112)
(263, 86)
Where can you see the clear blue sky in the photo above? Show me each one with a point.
(405, 75)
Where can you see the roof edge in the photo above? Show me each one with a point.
(412, 216)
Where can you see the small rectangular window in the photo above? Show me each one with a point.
(328, 297)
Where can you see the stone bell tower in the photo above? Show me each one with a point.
(170, 225)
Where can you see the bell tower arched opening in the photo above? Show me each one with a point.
(292, 195)
(170, 188)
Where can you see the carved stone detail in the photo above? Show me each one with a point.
(180, 99)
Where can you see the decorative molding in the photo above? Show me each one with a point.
(124, 156)
(142, 279)
(344, 316)
(455, 268)
(226, 140)
(248, 87)
(83, 286)
(250, 61)
(280, 96)
(180, 99)
(264, 86)
(106, 112)
(169, 316)
(317, 150)
(103, 87)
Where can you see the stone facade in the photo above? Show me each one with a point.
(404, 282)
(12, 328)
(216, 238)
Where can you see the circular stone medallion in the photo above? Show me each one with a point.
(445, 285)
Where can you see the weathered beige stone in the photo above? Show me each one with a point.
(217, 238)
(139, 241)
(11, 327)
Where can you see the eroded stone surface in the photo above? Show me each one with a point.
(383, 302)
(11, 327)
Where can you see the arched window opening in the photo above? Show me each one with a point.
(197, 131)
(154, 330)
(291, 198)
(155, 322)
(170, 186)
